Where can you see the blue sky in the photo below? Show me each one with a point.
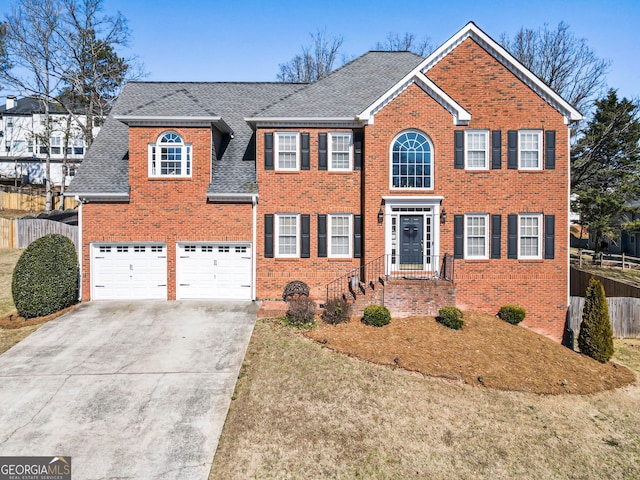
(246, 40)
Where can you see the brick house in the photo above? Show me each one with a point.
(446, 178)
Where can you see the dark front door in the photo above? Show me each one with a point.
(411, 240)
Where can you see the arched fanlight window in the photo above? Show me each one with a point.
(170, 156)
(412, 161)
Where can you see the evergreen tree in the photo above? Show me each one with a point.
(596, 338)
(605, 165)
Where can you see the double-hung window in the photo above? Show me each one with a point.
(477, 149)
(170, 156)
(476, 230)
(339, 235)
(287, 147)
(56, 145)
(530, 150)
(529, 236)
(340, 148)
(287, 235)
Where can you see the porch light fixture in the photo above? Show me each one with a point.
(380, 215)
(443, 217)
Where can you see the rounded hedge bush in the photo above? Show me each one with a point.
(512, 314)
(376, 315)
(45, 279)
(450, 317)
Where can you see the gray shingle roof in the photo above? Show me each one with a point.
(345, 93)
(348, 90)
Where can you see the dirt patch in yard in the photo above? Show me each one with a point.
(486, 352)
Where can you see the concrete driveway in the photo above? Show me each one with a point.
(127, 389)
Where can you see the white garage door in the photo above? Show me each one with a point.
(214, 271)
(128, 271)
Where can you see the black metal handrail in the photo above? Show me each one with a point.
(384, 268)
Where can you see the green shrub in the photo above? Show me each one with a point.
(376, 315)
(336, 310)
(450, 317)
(596, 337)
(512, 314)
(301, 311)
(45, 279)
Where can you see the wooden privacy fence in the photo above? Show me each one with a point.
(624, 313)
(19, 233)
(580, 280)
(32, 202)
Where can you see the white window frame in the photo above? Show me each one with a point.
(540, 234)
(186, 160)
(278, 218)
(276, 151)
(521, 149)
(431, 163)
(467, 236)
(331, 217)
(467, 149)
(331, 151)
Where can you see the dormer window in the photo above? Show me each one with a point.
(169, 156)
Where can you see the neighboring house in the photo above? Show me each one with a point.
(231, 190)
(22, 150)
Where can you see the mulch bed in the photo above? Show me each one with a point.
(13, 320)
(486, 352)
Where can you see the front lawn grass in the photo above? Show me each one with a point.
(302, 410)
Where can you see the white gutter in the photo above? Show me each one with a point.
(232, 197)
(300, 119)
(254, 253)
(86, 197)
(77, 198)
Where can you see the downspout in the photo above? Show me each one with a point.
(77, 198)
(254, 210)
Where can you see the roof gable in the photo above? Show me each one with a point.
(471, 30)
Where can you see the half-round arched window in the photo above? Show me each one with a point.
(412, 161)
(170, 156)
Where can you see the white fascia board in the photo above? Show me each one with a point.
(114, 197)
(460, 115)
(506, 59)
(265, 122)
(174, 120)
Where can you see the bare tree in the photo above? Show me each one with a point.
(92, 71)
(314, 62)
(32, 49)
(562, 61)
(407, 43)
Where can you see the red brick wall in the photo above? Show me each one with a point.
(164, 210)
(309, 192)
(497, 100)
(407, 298)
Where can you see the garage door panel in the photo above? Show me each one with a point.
(214, 271)
(129, 271)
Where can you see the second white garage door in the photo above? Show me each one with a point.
(214, 271)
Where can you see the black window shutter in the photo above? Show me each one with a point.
(458, 236)
(496, 150)
(549, 236)
(458, 146)
(268, 151)
(322, 151)
(304, 147)
(357, 236)
(512, 147)
(512, 236)
(550, 149)
(305, 231)
(496, 233)
(358, 140)
(322, 236)
(268, 235)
